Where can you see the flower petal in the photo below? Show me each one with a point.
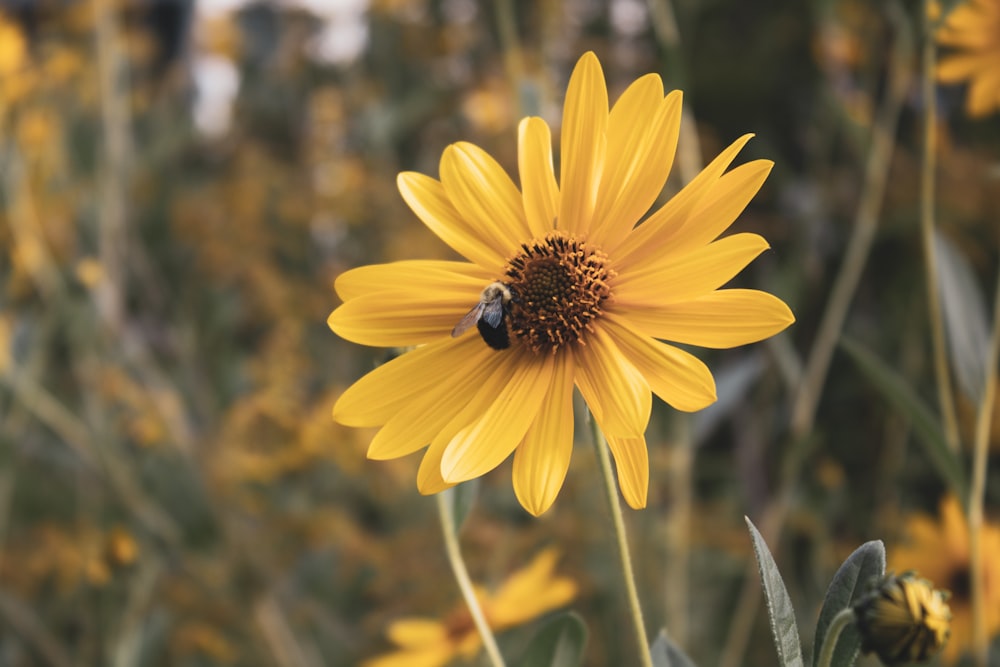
(417, 422)
(409, 276)
(653, 235)
(416, 632)
(659, 282)
(640, 154)
(722, 319)
(614, 390)
(983, 96)
(960, 66)
(718, 210)
(373, 399)
(531, 592)
(429, 479)
(427, 198)
(387, 319)
(677, 377)
(585, 120)
(538, 179)
(632, 463)
(486, 442)
(484, 195)
(437, 655)
(542, 459)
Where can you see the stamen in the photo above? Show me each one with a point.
(560, 285)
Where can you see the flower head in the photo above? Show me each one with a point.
(903, 619)
(939, 549)
(524, 596)
(973, 30)
(566, 291)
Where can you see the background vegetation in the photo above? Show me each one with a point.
(172, 488)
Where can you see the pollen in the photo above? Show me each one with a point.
(560, 286)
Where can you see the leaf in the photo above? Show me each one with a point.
(779, 605)
(668, 654)
(463, 497)
(848, 584)
(559, 644)
(965, 318)
(925, 423)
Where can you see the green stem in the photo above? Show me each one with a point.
(611, 492)
(840, 621)
(450, 531)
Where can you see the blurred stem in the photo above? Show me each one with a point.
(624, 556)
(831, 325)
(977, 492)
(946, 398)
(450, 530)
(837, 625)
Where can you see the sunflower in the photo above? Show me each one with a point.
(524, 596)
(567, 290)
(973, 30)
(939, 551)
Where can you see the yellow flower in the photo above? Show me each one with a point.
(525, 595)
(973, 30)
(903, 619)
(578, 295)
(940, 551)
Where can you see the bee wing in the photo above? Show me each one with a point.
(493, 312)
(469, 321)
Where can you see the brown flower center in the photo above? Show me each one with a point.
(559, 286)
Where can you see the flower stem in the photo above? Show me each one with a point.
(611, 489)
(450, 531)
(977, 493)
(837, 625)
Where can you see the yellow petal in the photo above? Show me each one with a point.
(485, 196)
(984, 92)
(429, 479)
(538, 180)
(416, 423)
(722, 319)
(585, 120)
(410, 276)
(416, 632)
(485, 443)
(684, 277)
(640, 155)
(653, 235)
(961, 66)
(386, 319)
(632, 463)
(677, 377)
(531, 592)
(542, 459)
(432, 656)
(718, 210)
(614, 390)
(427, 198)
(373, 399)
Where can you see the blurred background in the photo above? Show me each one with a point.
(181, 182)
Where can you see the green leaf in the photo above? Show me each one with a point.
(779, 605)
(848, 584)
(559, 644)
(906, 401)
(463, 497)
(668, 654)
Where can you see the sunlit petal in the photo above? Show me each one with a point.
(632, 464)
(585, 120)
(410, 276)
(614, 390)
(538, 180)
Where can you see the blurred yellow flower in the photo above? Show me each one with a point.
(525, 595)
(903, 619)
(568, 292)
(939, 550)
(972, 29)
(13, 47)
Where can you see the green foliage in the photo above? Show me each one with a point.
(561, 643)
(779, 606)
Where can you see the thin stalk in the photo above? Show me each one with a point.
(942, 373)
(624, 556)
(450, 531)
(977, 492)
(837, 625)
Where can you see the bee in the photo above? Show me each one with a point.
(489, 316)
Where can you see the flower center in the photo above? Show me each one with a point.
(559, 285)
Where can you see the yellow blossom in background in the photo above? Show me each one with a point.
(972, 29)
(13, 47)
(524, 596)
(578, 295)
(903, 619)
(939, 550)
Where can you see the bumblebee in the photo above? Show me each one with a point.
(489, 316)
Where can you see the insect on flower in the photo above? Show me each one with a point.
(489, 316)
